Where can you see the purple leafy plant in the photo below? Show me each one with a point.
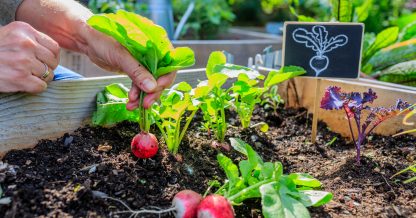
(354, 104)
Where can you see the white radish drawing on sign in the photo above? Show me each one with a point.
(318, 41)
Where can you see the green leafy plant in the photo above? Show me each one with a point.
(146, 42)
(176, 106)
(215, 100)
(409, 169)
(112, 6)
(247, 92)
(208, 19)
(111, 106)
(282, 195)
(272, 99)
(375, 44)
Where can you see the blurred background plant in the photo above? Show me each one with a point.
(207, 20)
(389, 51)
(111, 6)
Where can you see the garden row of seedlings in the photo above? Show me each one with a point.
(281, 195)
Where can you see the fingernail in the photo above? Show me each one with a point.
(149, 84)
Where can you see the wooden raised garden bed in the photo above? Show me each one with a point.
(62, 175)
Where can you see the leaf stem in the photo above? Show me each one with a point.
(349, 124)
(257, 185)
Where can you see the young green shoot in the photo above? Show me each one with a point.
(176, 105)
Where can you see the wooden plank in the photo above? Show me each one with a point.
(299, 92)
(64, 107)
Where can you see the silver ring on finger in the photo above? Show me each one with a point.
(46, 73)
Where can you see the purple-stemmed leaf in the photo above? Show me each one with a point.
(369, 96)
(332, 99)
(353, 104)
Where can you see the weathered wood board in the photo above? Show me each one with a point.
(67, 105)
(300, 93)
(64, 107)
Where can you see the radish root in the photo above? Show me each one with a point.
(136, 213)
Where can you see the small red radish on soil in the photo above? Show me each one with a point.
(186, 203)
(144, 145)
(215, 206)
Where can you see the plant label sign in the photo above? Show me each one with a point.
(324, 49)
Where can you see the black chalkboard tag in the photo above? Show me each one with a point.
(324, 49)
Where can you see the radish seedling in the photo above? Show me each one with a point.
(353, 103)
(147, 43)
(214, 99)
(169, 113)
(247, 92)
(282, 195)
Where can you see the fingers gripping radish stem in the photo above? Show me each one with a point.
(317, 40)
(184, 205)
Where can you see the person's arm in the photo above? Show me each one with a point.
(65, 22)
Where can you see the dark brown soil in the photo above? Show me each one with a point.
(61, 178)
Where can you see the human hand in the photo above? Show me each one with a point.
(111, 55)
(25, 55)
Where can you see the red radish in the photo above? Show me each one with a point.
(186, 202)
(215, 206)
(184, 205)
(144, 145)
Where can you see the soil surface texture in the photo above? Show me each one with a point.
(67, 177)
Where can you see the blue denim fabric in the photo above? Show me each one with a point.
(62, 73)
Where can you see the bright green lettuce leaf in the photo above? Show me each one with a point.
(281, 195)
(229, 168)
(304, 179)
(408, 32)
(270, 201)
(276, 204)
(215, 58)
(405, 20)
(239, 145)
(111, 106)
(233, 71)
(176, 105)
(244, 148)
(182, 56)
(383, 39)
(147, 43)
(362, 11)
(285, 73)
(315, 198)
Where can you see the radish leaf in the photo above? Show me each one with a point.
(147, 43)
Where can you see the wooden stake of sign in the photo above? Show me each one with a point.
(315, 110)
